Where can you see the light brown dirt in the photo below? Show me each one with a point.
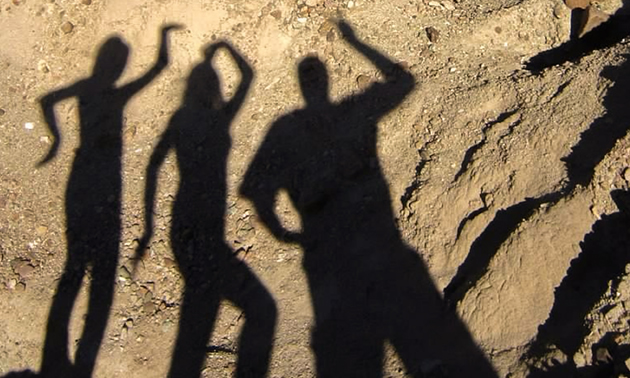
(472, 95)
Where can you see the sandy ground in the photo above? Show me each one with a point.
(481, 221)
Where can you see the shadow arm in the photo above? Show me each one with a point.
(47, 103)
(399, 82)
(247, 76)
(157, 158)
(130, 89)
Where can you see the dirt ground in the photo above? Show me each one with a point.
(508, 182)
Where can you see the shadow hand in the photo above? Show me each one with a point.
(346, 30)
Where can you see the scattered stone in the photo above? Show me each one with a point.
(326, 27)
(498, 30)
(42, 66)
(311, 3)
(330, 36)
(124, 274)
(435, 4)
(448, 5)
(17, 2)
(41, 230)
(86, 2)
(2, 112)
(21, 286)
(591, 19)
(579, 359)
(581, 4)
(11, 284)
(277, 14)
(170, 263)
(350, 4)
(363, 81)
(23, 268)
(67, 27)
(602, 355)
(149, 307)
(433, 34)
(29, 125)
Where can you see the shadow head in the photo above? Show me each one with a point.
(203, 86)
(313, 78)
(110, 61)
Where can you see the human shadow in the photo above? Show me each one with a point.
(367, 286)
(593, 146)
(92, 203)
(199, 135)
(607, 34)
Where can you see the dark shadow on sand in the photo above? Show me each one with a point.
(367, 286)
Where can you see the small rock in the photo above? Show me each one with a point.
(149, 307)
(67, 27)
(591, 19)
(41, 230)
(435, 4)
(124, 274)
(17, 2)
(277, 14)
(602, 355)
(170, 263)
(29, 125)
(581, 4)
(433, 34)
(330, 36)
(363, 81)
(2, 112)
(326, 27)
(579, 359)
(311, 3)
(11, 284)
(23, 268)
(448, 5)
(86, 2)
(42, 66)
(21, 286)
(350, 4)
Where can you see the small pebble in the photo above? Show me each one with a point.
(363, 81)
(16, 2)
(41, 230)
(21, 286)
(277, 14)
(67, 27)
(448, 5)
(433, 34)
(124, 274)
(2, 112)
(29, 125)
(86, 2)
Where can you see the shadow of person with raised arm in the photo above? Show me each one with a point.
(199, 134)
(92, 203)
(367, 286)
